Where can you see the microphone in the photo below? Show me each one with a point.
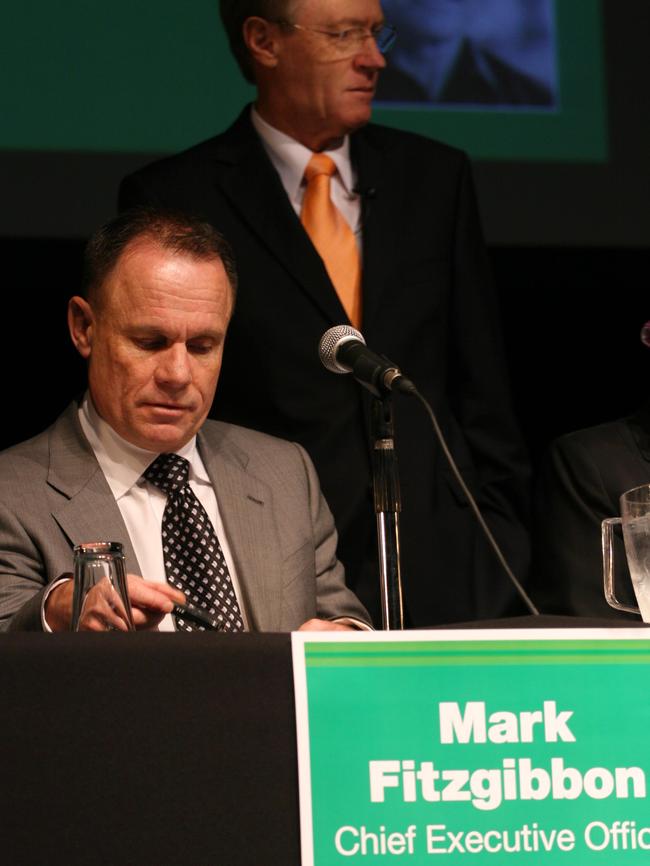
(342, 349)
(366, 192)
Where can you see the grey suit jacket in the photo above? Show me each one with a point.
(53, 495)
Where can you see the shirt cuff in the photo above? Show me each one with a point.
(357, 624)
(46, 595)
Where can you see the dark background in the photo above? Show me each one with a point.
(571, 319)
(569, 242)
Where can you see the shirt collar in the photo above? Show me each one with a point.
(122, 462)
(290, 157)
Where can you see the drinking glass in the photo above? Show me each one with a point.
(99, 568)
(635, 522)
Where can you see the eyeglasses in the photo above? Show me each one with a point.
(351, 40)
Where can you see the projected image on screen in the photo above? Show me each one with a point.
(484, 53)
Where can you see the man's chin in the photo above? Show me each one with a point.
(163, 436)
(360, 116)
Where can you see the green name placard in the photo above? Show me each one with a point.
(501, 747)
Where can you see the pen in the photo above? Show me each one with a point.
(188, 611)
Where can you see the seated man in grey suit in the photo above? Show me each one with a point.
(135, 461)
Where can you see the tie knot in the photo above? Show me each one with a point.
(319, 163)
(168, 472)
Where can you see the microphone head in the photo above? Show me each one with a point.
(331, 342)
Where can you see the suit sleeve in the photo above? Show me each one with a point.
(333, 598)
(572, 499)
(22, 577)
(479, 391)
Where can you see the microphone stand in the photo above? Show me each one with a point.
(343, 350)
(388, 505)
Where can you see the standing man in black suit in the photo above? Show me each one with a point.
(420, 292)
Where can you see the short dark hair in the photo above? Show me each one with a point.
(235, 12)
(173, 230)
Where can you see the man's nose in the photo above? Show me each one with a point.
(370, 56)
(173, 369)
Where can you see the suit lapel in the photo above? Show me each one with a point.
(245, 505)
(381, 204)
(88, 512)
(248, 179)
(639, 424)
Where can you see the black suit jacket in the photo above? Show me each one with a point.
(581, 481)
(428, 305)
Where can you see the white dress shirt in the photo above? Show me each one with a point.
(142, 504)
(290, 159)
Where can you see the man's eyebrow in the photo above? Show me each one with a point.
(147, 330)
(355, 22)
(217, 336)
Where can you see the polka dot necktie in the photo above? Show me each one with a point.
(194, 561)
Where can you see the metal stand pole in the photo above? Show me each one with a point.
(387, 507)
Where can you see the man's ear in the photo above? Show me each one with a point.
(261, 39)
(81, 323)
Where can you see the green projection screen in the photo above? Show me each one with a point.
(97, 89)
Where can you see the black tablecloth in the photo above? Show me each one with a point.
(161, 749)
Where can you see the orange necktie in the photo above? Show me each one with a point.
(332, 236)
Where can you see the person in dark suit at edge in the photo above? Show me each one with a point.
(396, 248)
(582, 478)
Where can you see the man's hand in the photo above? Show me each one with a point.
(103, 610)
(325, 625)
(151, 601)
